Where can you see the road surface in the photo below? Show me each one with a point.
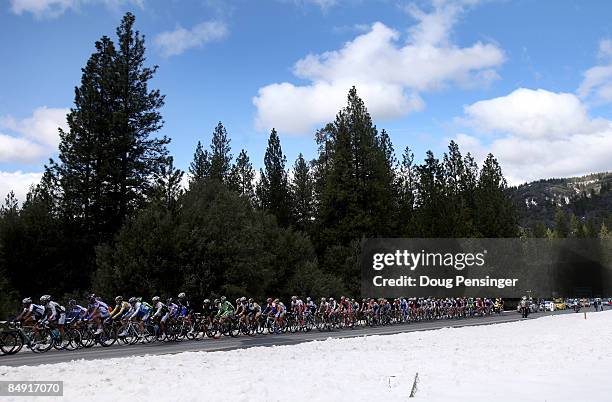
(226, 343)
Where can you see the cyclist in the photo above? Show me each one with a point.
(280, 313)
(122, 310)
(98, 311)
(55, 314)
(75, 312)
(209, 312)
(31, 311)
(226, 309)
(185, 309)
(254, 311)
(332, 308)
(297, 308)
(310, 307)
(139, 311)
(173, 309)
(160, 313)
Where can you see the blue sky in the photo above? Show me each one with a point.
(530, 81)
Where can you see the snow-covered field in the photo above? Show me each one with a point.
(556, 358)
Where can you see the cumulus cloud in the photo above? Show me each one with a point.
(35, 137)
(172, 43)
(532, 114)
(18, 182)
(15, 149)
(538, 134)
(55, 8)
(389, 72)
(597, 81)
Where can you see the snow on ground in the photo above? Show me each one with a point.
(555, 358)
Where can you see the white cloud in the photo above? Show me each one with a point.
(55, 8)
(597, 81)
(175, 42)
(42, 8)
(18, 182)
(36, 136)
(531, 113)
(538, 134)
(389, 73)
(15, 149)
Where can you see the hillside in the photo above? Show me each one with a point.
(588, 197)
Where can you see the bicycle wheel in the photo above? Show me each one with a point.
(42, 341)
(72, 339)
(108, 336)
(10, 343)
(87, 338)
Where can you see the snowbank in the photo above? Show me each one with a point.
(555, 358)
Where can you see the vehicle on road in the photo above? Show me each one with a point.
(547, 305)
(560, 304)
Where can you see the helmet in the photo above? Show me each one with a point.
(118, 299)
(92, 296)
(223, 298)
(155, 299)
(276, 300)
(322, 299)
(331, 299)
(27, 300)
(206, 301)
(243, 299)
(132, 300)
(182, 295)
(524, 297)
(45, 299)
(269, 300)
(308, 299)
(139, 299)
(293, 297)
(72, 302)
(217, 301)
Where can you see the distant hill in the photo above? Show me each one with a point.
(587, 197)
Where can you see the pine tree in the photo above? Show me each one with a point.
(576, 227)
(302, 194)
(168, 186)
(604, 233)
(273, 189)
(356, 190)
(85, 156)
(590, 230)
(109, 156)
(242, 176)
(430, 219)
(220, 157)
(457, 180)
(562, 229)
(139, 155)
(495, 215)
(199, 168)
(407, 193)
(325, 139)
(11, 205)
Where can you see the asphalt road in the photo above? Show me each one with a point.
(27, 358)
